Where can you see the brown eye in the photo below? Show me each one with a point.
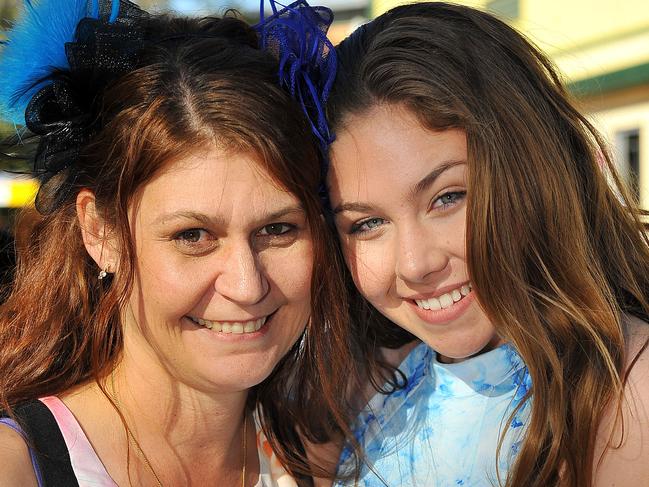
(191, 236)
(195, 241)
(275, 229)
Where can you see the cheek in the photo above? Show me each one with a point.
(455, 231)
(290, 271)
(370, 265)
(171, 286)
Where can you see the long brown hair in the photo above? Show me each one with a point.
(203, 81)
(553, 238)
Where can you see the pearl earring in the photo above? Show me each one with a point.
(103, 273)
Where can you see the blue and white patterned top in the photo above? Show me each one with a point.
(442, 430)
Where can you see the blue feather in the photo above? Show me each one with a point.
(35, 48)
(114, 11)
(95, 9)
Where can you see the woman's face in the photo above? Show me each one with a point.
(224, 260)
(399, 196)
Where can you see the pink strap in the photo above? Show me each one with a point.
(86, 464)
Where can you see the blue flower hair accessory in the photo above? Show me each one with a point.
(59, 57)
(297, 35)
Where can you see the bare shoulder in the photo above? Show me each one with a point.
(17, 468)
(622, 448)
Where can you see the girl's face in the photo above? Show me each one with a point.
(399, 196)
(224, 260)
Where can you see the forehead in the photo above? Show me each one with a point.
(212, 181)
(387, 147)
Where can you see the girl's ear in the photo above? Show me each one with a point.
(98, 237)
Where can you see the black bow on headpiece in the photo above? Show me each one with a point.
(63, 101)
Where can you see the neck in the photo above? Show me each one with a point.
(183, 415)
(187, 435)
(495, 342)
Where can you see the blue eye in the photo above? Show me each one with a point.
(448, 199)
(276, 229)
(367, 225)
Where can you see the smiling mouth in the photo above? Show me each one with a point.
(446, 300)
(232, 327)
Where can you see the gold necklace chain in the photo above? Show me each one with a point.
(138, 449)
(245, 449)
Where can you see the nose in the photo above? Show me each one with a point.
(242, 279)
(418, 255)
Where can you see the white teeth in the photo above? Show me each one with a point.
(232, 327)
(445, 300)
(432, 303)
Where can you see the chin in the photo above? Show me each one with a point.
(458, 350)
(235, 382)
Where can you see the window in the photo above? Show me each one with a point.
(628, 149)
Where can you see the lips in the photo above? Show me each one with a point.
(443, 309)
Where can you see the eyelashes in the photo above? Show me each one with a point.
(276, 229)
(191, 236)
(199, 241)
(195, 241)
(367, 225)
(447, 200)
(443, 202)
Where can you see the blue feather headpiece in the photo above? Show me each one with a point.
(59, 57)
(297, 35)
(37, 48)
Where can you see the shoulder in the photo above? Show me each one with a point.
(17, 468)
(622, 448)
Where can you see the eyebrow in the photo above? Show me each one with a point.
(357, 207)
(218, 221)
(186, 215)
(430, 178)
(417, 189)
(285, 211)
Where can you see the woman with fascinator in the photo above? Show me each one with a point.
(480, 213)
(164, 328)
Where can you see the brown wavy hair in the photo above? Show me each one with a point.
(554, 240)
(205, 81)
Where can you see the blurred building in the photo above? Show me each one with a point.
(348, 15)
(602, 49)
(600, 46)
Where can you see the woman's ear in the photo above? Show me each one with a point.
(98, 236)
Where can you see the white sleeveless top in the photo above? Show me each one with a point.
(90, 471)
